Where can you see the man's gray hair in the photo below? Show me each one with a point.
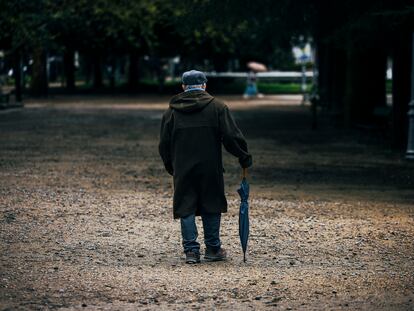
(194, 86)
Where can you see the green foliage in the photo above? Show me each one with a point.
(281, 88)
(100, 24)
(24, 23)
(198, 30)
(244, 30)
(361, 24)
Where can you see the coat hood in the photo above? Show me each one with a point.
(190, 101)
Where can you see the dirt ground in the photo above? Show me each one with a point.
(86, 217)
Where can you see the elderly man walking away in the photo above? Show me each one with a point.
(192, 131)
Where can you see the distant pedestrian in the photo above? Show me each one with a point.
(251, 86)
(193, 130)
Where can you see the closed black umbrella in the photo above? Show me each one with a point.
(244, 214)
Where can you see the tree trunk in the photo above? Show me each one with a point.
(17, 72)
(352, 83)
(337, 92)
(39, 83)
(69, 67)
(401, 72)
(365, 84)
(331, 80)
(323, 71)
(97, 70)
(133, 76)
(113, 69)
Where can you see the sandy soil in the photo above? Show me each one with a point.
(86, 219)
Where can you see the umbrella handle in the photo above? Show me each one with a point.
(244, 172)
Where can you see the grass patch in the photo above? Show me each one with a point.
(281, 88)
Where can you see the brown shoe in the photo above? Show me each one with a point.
(218, 255)
(192, 257)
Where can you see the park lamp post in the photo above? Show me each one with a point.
(410, 145)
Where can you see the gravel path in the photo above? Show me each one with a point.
(86, 217)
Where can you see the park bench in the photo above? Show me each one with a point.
(4, 98)
(8, 100)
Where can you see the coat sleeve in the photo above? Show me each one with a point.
(233, 139)
(164, 146)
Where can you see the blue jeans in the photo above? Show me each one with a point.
(211, 225)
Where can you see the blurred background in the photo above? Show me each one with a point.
(351, 57)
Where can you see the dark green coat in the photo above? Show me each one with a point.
(192, 131)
